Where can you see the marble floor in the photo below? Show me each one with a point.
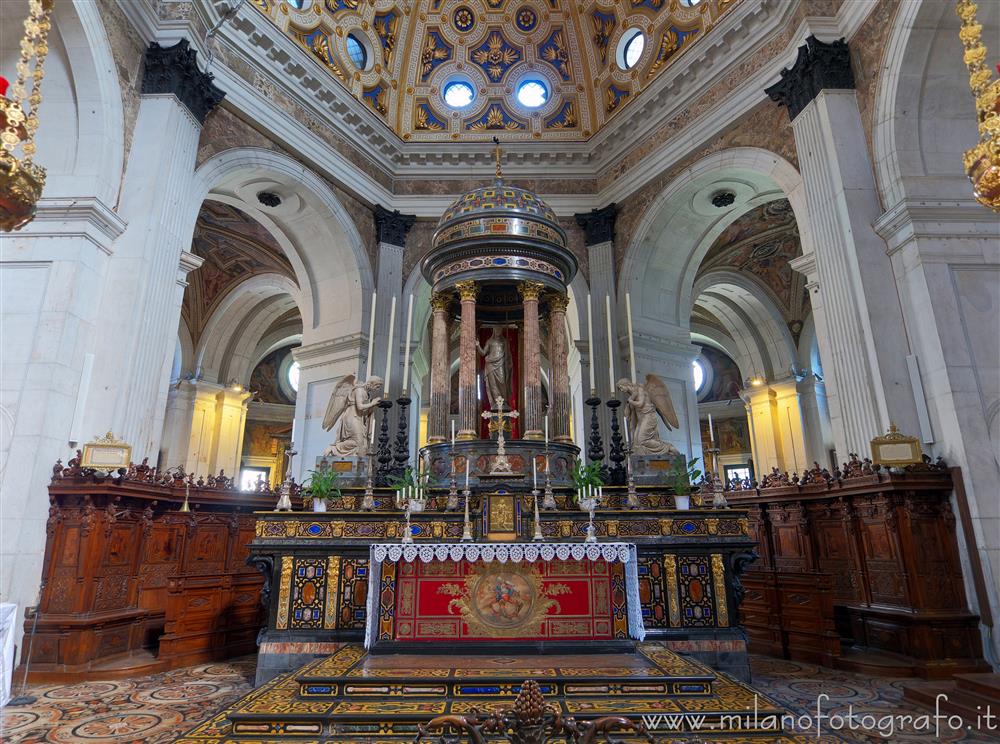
(159, 708)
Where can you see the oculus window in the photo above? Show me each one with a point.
(357, 52)
(532, 93)
(630, 48)
(698, 373)
(459, 94)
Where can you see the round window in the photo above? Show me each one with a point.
(630, 48)
(459, 94)
(532, 93)
(292, 375)
(698, 372)
(357, 51)
(690, 3)
(299, 4)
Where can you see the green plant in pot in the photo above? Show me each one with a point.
(680, 476)
(585, 476)
(322, 486)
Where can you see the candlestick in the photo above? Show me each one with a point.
(406, 349)
(611, 351)
(590, 343)
(631, 340)
(537, 537)
(388, 351)
(371, 338)
(467, 525)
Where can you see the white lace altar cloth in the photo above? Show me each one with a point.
(502, 553)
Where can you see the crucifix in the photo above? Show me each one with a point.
(497, 418)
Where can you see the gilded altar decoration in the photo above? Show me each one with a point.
(982, 162)
(21, 181)
(106, 453)
(498, 601)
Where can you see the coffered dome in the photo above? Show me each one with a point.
(446, 70)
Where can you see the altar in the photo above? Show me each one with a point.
(477, 594)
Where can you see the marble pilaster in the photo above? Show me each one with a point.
(530, 293)
(391, 229)
(440, 405)
(468, 403)
(559, 406)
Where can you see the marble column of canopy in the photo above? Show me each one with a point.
(468, 408)
(440, 406)
(558, 356)
(530, 293)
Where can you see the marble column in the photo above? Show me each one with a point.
(859, 322)
(530, 293)
(468, 403)
(559, 405)
(440, 405)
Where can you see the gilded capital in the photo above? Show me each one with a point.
(467, 290)
(530, 290)
(558, 302)
(440, 301)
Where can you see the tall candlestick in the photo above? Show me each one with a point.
(371, 338)
(711, 430)
(388, 351)
(611, 348)
(590, 342)
(406, 349)
(631, 340)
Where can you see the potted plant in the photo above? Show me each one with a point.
(323, 486)
(680, 477)
(404, 486)
(586, 477)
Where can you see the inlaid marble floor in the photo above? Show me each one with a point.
(159, 708)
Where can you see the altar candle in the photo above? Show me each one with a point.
(466, 473)
(453, 433)
(611, 352)
(534, 473)
(406, 349)
(711, 430)
(372, 423)
(546, 430)
(388, 351)
(371, 338)
(625, 427)
(631, 341)
(590, 342)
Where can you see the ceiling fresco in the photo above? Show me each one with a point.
(408, 54)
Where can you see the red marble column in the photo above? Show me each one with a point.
(468, 405)
(559, 407)
(530, 292)
(440, 405)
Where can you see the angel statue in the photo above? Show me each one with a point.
(353, 404)
(497, 368)
(644, 402)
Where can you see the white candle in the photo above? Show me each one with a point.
(453, 432)
(611, 347)
(631, 341)
(388, 351)
(406, 349)
(590, 342)
(625, 426)
(372, 423)
(546, 429)
(371, 337)
(466, 473)
(711, 430)
(534, 473)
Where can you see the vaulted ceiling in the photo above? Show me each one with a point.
(417, 48)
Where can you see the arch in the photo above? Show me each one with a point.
(924, 115)
(684, 207)
(311, 225)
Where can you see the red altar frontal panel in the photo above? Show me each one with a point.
(547, 600)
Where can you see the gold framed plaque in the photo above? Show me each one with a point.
(895, 449)
(106, 453)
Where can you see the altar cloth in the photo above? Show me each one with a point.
(515, 553)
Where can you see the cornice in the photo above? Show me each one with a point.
(333, 350)
(83, 217)
(961, 219)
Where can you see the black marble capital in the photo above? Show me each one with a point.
(391, 226)
(175, 70)
(818, 66)
(598, 224)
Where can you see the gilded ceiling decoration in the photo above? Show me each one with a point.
(235, 247)
(400, 58)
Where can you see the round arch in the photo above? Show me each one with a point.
(311, 225)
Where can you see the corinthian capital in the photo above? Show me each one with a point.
(467, 290)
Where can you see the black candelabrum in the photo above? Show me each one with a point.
(402, 454)
(616, 471)
(383, 455)
(595, 445)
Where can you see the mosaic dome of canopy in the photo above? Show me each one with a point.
(399, 58)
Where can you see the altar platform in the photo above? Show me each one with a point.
(352, 696)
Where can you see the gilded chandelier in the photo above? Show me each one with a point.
(982, 162)
(21, 181)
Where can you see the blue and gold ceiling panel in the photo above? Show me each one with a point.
(493, 45)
